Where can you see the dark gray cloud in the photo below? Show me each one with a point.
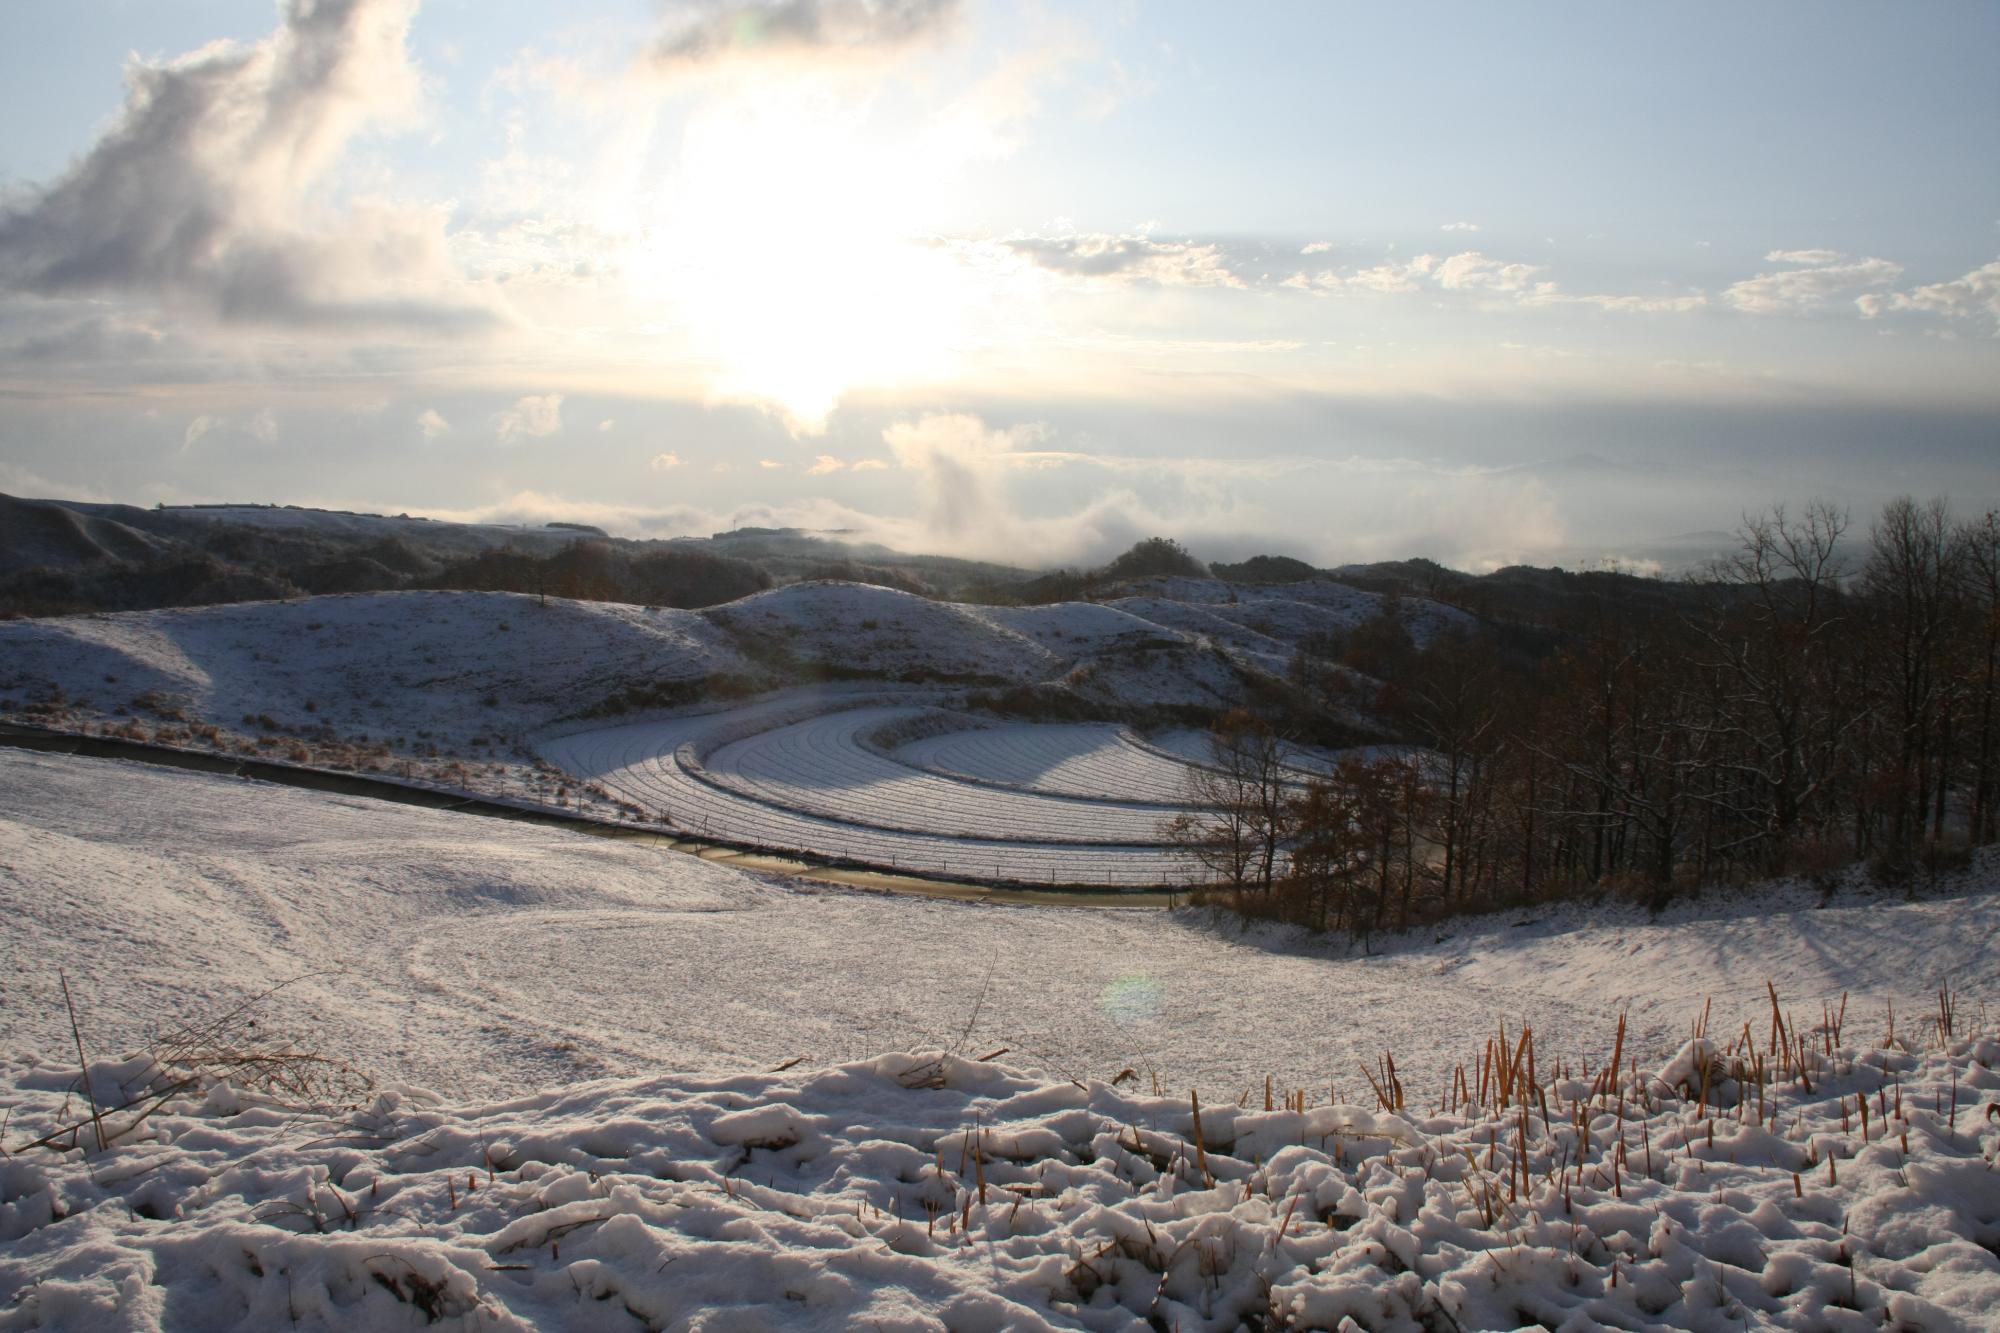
(716, 31)
(198, 196)
(90, 340)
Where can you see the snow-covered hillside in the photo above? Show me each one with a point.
(484, 692)
(491, 960)
(441, 666)
(456, 664)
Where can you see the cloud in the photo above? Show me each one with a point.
(871, 465)
(959, 461)
(824, 464)
(19, 481)
(533, 509)
(1549, 294)
(200, 195)
(202, 425)
(1814, 257)
(1810, 286)
(115, 337)
(1473, 271)
(769, 464)
(1327, 510)
(1315, 247)
(665, 462)
(533, 416)
(713, 32)
(1476, 273)
(1974, 295)
(606, 424)
(1459, 226)
(1126, 259)
(261, 426)
(432, 423)
(1392, 277)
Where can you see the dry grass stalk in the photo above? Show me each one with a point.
(230, 1047)
(89, 1092)
(1200, 1148)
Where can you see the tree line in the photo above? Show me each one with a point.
(1793, 708)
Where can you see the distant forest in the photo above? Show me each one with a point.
(1781, 713)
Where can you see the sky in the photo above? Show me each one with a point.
(1489, 284)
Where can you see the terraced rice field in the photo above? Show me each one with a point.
(1015, 803)
(1085, 759)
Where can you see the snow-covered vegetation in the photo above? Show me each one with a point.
(1851, 1191)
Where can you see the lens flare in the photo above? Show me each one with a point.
(1132, 998)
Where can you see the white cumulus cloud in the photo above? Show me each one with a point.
(1974, 295)
(1810, 285)
(530, 417)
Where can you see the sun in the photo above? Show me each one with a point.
(789, 249)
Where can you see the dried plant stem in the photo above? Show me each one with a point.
(96, 1121)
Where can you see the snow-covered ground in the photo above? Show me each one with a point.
(913, 1192)
(474, 955)
(487, 960)
(653, 765)
(1079, 759)
(804, 773)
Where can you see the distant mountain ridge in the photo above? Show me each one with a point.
(64, 557)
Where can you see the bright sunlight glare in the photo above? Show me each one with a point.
(788, 248)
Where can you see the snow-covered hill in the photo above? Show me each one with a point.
(371, 666)
(392, 664)
(457, 688)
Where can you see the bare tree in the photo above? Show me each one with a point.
(1914, 560)
(1326, 854)
(1980, 541)
(1771, 641)
(1236, 821)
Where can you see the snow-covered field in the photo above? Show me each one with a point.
(1079, 759)
(474, 955)
(825, 775)
(787, 776)
(688, 1189)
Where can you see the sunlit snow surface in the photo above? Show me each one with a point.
(1026, 802)
(491, 960)
(810, 786)
(470, 954)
